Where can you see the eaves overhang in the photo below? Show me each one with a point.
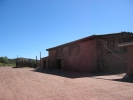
(125, 44)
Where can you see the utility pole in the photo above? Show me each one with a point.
(17, 61)
(40, 59)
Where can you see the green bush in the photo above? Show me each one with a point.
(1, 64)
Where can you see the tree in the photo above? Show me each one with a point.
(33, 62)
(4, 60)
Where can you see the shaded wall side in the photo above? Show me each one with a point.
(130, 60)
(112, 63)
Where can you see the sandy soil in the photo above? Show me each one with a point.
(31, 84)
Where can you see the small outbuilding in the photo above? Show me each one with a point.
(44, 62)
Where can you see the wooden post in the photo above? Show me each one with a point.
(36, 61)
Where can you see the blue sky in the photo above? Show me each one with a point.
(30, 26)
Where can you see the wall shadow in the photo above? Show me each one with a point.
(126, 78)
(15, 67)
(23, 67)
(63, 73)
(70, 74)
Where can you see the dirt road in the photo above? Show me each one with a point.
(31, 84)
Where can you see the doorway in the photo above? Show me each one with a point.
(58, 63)
(44, 64)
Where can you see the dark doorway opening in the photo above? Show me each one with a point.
(44, 64)
(58, 63)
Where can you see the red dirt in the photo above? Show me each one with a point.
(29, 84)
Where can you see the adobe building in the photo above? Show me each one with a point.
(93, 54)
(129, 46)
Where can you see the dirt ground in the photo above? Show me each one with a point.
(32, 84)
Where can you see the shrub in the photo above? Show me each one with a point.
(1, 64)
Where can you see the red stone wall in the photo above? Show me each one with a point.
(52, 59)
(93, 56)
(85, 60)
(109, 62)
(130, 60)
